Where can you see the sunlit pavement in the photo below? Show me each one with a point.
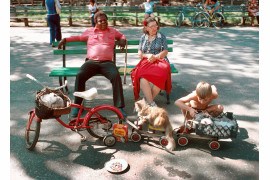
(227, 58)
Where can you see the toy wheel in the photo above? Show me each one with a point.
(136, 137)
(109, 140)
(32, 131)
(182, 141)
(163, 141)
(102, 121)
(214, 145)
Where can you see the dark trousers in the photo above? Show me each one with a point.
(108, 69)
(93, 19)
(55, 28)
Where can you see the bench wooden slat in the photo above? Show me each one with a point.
(84, 51)
(72, 71)
(170, 49)
(84, 43)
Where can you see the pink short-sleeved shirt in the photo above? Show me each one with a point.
(100, 43)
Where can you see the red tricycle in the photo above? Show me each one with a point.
(98, 121)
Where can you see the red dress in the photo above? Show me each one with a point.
(158, 73)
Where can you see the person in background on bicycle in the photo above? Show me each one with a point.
(100, 47)
(215, 7)
(93, 8)
(148, 6)
(253, 11)
(154, 65)
(207, 5)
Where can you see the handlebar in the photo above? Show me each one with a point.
(37, 81)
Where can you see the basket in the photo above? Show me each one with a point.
(44, 112)
(224, 126)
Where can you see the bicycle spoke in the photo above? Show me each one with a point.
(102, 126)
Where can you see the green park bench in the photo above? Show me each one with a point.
(63, 72)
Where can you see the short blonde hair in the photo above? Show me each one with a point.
(203, 90)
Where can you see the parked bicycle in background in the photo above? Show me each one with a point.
(201, 17)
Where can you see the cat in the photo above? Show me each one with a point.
(157, 117)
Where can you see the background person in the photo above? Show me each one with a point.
(100, 47)
(253, 11)
(207, 5)
(53, 9)
(215, 6)
(154, 66)
(148, 6)
(93, 8)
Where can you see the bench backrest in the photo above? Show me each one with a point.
(132, 47)
(84, 44)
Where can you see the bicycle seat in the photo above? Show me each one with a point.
(88, 95)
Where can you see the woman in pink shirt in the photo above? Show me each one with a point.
(100, 47)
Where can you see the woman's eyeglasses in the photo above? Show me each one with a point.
(153, 27)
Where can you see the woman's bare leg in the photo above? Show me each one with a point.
(146, 88)
(155, 90)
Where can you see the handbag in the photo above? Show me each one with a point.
(58, 10)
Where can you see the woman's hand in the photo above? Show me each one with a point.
(61, 43)
(151, 58)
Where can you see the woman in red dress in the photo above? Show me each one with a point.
(153, 72)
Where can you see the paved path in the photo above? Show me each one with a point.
(228, 58)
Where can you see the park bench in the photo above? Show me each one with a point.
(26, 13)
(114, 13)
(232, 11)
(81, 48)
(118, 13)
(167, 12)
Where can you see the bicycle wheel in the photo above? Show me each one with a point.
(32, 134)
(218, 20)
(201, 20)
(179, 20)
(99, 129)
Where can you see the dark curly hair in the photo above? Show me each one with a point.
(98, 14)
(148, 20)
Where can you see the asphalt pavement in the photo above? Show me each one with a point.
(227, 58)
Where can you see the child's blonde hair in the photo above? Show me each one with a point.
(203, 90)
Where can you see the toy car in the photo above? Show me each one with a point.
(206, 126)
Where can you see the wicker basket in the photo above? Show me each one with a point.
(44, 112)
(217, 129)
